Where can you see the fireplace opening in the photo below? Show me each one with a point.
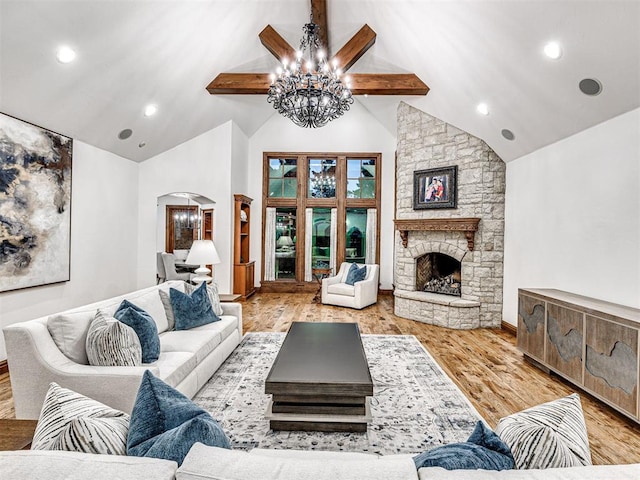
(439, 273)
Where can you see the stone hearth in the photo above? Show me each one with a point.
(472, 233)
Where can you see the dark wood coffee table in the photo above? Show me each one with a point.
(16, 434)
(320, 379)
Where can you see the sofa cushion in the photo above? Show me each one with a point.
(112, 343)
(198, 343)
(48, 465)
(70, 421)
(165, 423)
(356, 274)
(212, 292)
(342, 289)
(144, 326)
(213, 463)
(483, 450)
(549, 435)
(192, 310)
(173, 367)
(596, 472)
(69, 332)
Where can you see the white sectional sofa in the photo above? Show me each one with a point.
(211, 463)
(187, 360)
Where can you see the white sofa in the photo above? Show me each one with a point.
(210, 463)
(335, 290)
(188, 358)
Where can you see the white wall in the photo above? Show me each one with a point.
(202, 165)
(573, 216)
(104, 230)
(357, 131)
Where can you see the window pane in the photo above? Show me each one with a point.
(286, 243)
(321, 238)
(322, 178)
(290, 168)
(290, 188)
(353, 188)
(275, 168)
(353, 168)
(368, 168)
(356, 235)
(368, 188)
(275, 188)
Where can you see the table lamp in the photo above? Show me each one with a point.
(203, 253)
(284, 242)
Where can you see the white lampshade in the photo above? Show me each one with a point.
(203, 252)
(284, 241)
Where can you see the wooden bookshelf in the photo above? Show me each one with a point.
(243, 266)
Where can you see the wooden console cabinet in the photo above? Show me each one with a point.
(592, 343)
(243, 267)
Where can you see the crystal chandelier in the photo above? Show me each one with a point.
(314, 97)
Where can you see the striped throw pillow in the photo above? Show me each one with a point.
(72, 422)
(112, 343)
(550, 435)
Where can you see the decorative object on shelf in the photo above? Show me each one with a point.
(243, 216)
(435, 188)
(315, 96)
(35, 201)
(243, 266)
(203, 253)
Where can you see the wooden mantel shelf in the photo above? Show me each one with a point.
(467, 225)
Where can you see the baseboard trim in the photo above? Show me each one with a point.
(512, 329)
(4, 367)
(382, 291)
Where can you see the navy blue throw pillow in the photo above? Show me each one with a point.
(194, 310)
(145, 328)
(165, 424)
(483, 450)
(356, 274)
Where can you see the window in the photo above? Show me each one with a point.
(283, 175)
(361, 178)
(331, 218)
(322, 178)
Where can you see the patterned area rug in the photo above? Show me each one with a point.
(415, 405)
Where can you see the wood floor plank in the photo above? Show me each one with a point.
(485, 364)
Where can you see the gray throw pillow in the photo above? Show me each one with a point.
(112, 343)
(168, 309)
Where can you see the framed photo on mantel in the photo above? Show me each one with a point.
(435, 188)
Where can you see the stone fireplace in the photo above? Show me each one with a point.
(448, 262)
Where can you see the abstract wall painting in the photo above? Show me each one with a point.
(35, 205)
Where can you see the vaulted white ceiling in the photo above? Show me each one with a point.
(135, 52)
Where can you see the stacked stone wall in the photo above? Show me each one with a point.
(426, 142)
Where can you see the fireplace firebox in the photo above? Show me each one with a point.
(438, 273)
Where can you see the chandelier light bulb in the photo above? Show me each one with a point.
(320, 54)
(335, 63)
(309, 66)
(279, 70)
(272, 77)
(299, 54)
(285, 62)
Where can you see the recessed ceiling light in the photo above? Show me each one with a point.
(65, 54)
(508, 134)
(553, 50)
(124, 134)
(150, 110)
(483, 108)
(590, 86)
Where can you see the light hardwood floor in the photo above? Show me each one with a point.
(485, 364)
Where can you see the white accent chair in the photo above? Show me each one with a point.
(335, 290)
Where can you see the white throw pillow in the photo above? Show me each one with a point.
(549, 435)
(69, 332)
(70, 421)
(112, 343)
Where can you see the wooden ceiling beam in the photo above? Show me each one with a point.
(319, 14)
(361, 83)
(387, 84)
(349, 54)
(240, 84)
(277, 45)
